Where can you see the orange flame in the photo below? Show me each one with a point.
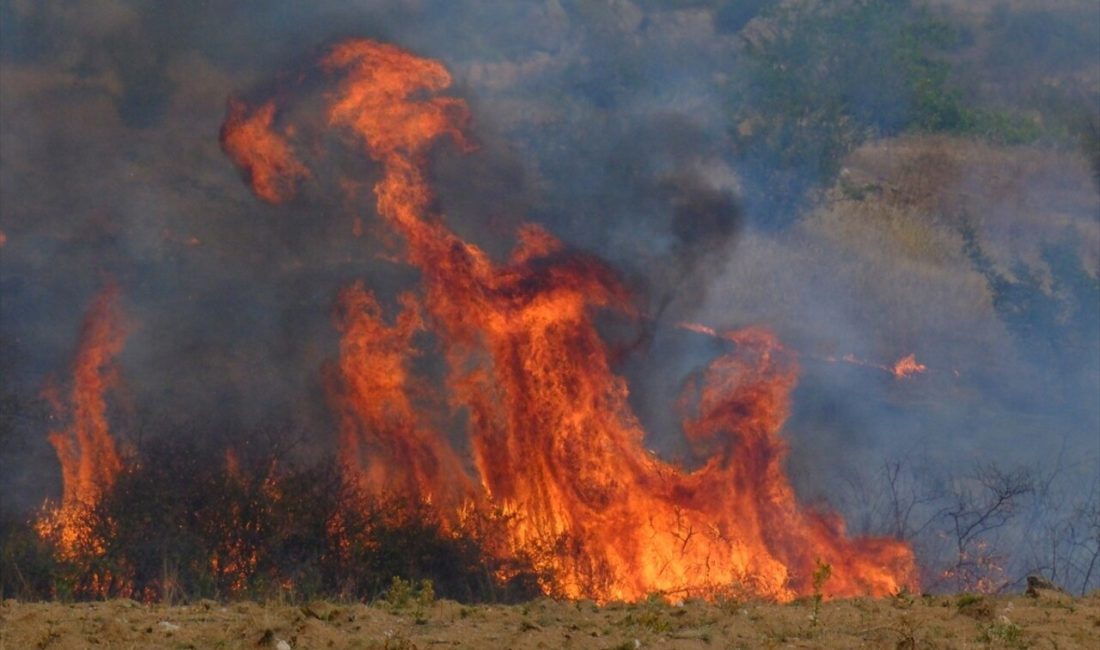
(264, 155)
(553, 440)
(904, 367)
(385, 445)
(908, 366)
(89, 460)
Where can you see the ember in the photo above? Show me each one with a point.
(908, 366)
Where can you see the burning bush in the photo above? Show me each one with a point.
(184, 521)
(557, 477)
(554, 442)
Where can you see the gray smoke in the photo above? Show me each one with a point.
(619, 126)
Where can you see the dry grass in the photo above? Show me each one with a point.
(902, 622)
(1017, 198)
(886, 246)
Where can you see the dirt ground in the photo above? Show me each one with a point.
(1050, 621)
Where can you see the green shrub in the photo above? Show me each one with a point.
(827, 76)
(823, 77)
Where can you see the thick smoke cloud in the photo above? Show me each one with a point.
(607, 122)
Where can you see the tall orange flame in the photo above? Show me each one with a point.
(554, 442)
(381, 430)
(89, 460)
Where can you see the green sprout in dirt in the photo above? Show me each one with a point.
(821, 576)
(648, 618)
(1005, 634)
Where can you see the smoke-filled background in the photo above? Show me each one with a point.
(867, 178)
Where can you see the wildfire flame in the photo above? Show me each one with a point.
(904, 367)
(908, 366)
(553, 440)
(85, 449)
(264, 155)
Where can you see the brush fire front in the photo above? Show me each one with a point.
(556, 457)
(89, 458)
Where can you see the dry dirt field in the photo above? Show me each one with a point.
(1050, 621)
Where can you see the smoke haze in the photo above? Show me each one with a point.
(624, 128)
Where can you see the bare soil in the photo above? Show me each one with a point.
(1049, 621)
